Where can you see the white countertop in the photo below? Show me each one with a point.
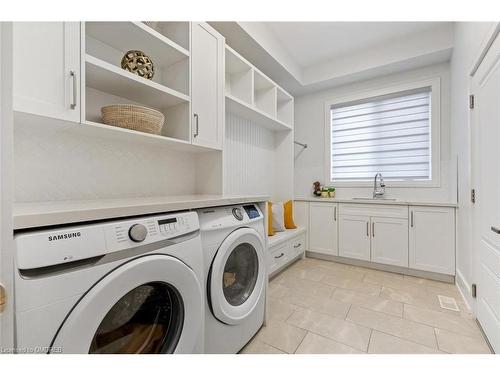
(40, 214)
(399, 202)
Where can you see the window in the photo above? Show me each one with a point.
(390, 133)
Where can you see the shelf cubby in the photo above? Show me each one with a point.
(109, 41)
(106, 77)
(239, 77)
(252, 95)
(284, 107)
(265, 94)
(176, 31)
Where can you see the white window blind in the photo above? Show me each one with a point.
(389, 134)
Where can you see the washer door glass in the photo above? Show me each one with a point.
(240, 274)
(148, 319)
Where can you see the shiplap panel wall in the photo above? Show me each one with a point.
(249, 157)
(51, 166)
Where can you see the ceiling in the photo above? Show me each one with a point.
(310, 43)
(304, 57)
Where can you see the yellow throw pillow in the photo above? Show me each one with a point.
(289, 224)
(270, 231)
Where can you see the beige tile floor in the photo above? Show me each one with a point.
(324, 307)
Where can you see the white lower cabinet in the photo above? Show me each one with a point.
(389, 241)
(285, 247)
(432, 239)
(323, 228)
(416, 237)
(354, 238)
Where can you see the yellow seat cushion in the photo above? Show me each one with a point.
(270, 230)
(289, 224)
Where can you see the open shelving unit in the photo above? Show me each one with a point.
(252, 95)
(106, 83)
(258, 133)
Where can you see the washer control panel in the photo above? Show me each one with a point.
(56, 246)
(229, 216)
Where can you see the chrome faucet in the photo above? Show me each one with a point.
(378, 191)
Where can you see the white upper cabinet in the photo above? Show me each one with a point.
(354, 238)
(432, 239)
(389, 241)
(323, 228)
(207, 89)
(47, 69)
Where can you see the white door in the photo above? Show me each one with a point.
(354, 237)
(485, 123)
(207, 88)
(152, 304)
(432, 239)
(47, 69)
(389, 241)
(238, 276)
(323, 228)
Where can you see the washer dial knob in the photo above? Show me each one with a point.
(137, 232)
(237, 213)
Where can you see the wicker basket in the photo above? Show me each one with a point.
(133, 117)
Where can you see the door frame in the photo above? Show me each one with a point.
(6, 188)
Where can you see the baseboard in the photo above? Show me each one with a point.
(384, 267)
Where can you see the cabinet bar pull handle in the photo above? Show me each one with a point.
(368, 229)
(72, 73)
(335, 213)
(196, 132)
(496, 230)
(297, 246)
(373, 229)
(411, 219)
(279, 256)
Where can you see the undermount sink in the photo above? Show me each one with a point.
(375, 199)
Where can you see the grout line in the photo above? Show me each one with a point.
(435, 337)
(348, 311)
(369, 341)
(334, 340)
(300, 343)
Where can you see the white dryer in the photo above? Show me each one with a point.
(233, 240)
(125, 286)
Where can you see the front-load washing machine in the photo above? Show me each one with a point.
(233, 240)
(125, 286)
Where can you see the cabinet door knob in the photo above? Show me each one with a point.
(496, 230)
(367, 229)
(373, 229)
(279, 256)
(297, 246)
(335, 213)
(411, 219)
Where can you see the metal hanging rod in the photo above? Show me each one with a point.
(300, 144)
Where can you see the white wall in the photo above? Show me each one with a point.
(468, 40)
(309, 128)
(57, 165)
